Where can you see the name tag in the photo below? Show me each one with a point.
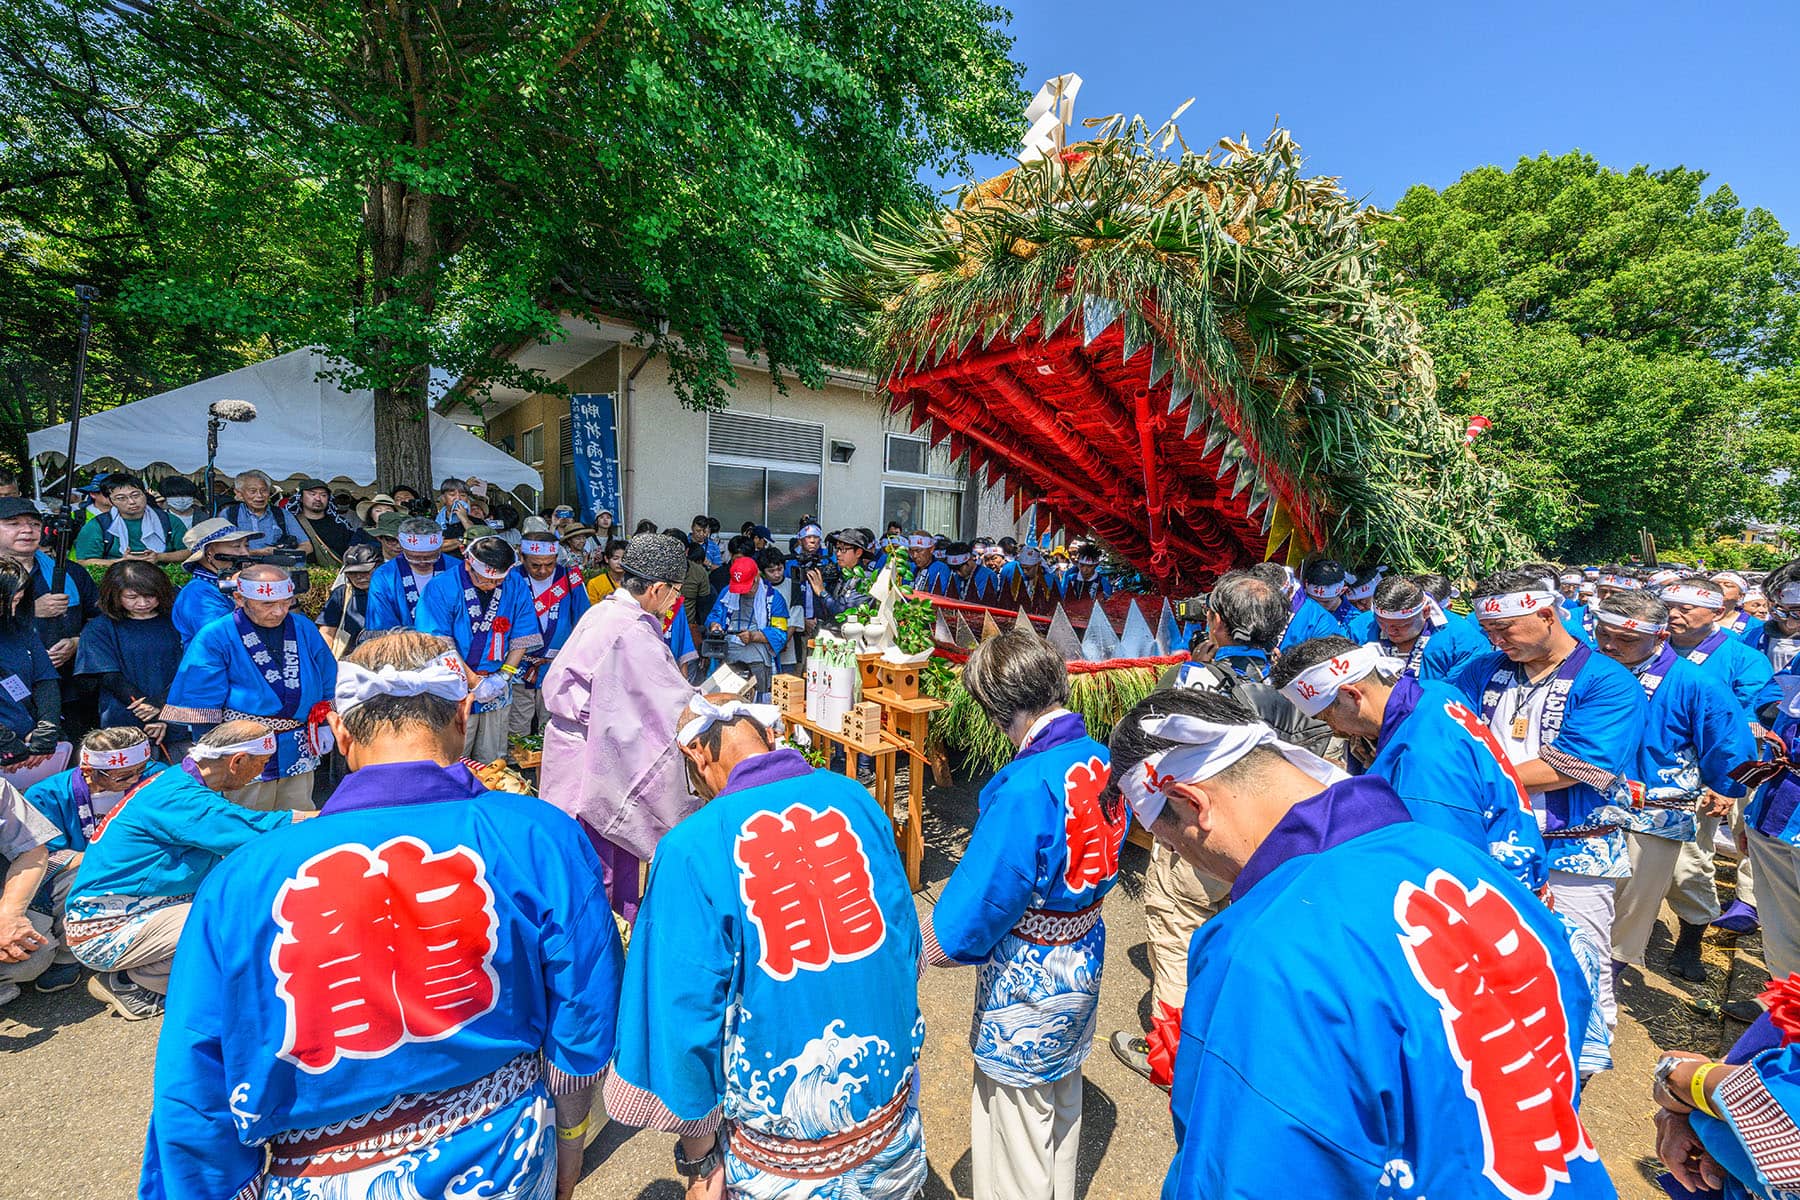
(15, 687)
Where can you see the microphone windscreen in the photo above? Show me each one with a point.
(233, 410)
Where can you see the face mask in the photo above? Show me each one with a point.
(179, 504)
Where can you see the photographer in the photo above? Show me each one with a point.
(270, 528)
(216, 550)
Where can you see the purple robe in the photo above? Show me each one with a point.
(610, 760)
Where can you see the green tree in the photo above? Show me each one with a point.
(1624, 331)
(685, 166)
(114, 174)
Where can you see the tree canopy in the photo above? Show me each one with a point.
(494, 164)
(1632, 336)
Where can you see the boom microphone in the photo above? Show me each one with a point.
(232, 410)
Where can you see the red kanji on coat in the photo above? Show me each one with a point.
(1094, 839)
(1502, 1008)
(379, 948)
(1477, 729)
(807, 887)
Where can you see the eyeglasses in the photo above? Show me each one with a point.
(1786, 614)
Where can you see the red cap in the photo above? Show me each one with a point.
(743, 575)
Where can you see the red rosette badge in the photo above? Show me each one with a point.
(502, 625)
(1782, 999)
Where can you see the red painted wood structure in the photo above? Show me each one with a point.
(1079, 429)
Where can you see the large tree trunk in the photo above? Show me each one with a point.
(403, 250)
(403, 436)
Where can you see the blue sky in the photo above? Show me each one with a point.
(1386, 95)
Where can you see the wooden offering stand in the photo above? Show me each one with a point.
(884, 726)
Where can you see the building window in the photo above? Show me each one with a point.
(762, 469)
(531, 446)
(924, 488)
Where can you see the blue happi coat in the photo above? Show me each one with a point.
(1740, 667)
(1774, 812)
(978, 588)
(772, 981)
(1436, 754)
(163, 840)
(1602, 720)
(1043, 848)
(224, 671)
(199, 603)
(65, 800)
(420, 935)
(1440, 651)
(554, 623)
(394, 594)
(444, 611)
(934, 578)
(1747, 1122)
(1307, 620)
(1694, 734)
(1412, 1075)
(1744, 626)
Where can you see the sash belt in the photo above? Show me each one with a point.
(408, 1124)
(272, 724)
(1047, 927)
(791, 1158)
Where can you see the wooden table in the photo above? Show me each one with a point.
(909, 834)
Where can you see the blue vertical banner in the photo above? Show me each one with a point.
(596, 434)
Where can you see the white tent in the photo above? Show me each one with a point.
(304, 425)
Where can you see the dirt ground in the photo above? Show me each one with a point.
(76, 1084)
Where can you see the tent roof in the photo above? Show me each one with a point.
(305, 425)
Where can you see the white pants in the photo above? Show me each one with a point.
(1023, 1141)
(1177, 901)
(1589, 902)
(485, 739)
(1640, 897)
(291, 794)
(1778, 868)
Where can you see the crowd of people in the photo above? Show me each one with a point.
(1409, 848)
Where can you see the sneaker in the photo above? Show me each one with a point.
(1747, 1011)
(115, 990)
(60, 977)
(1134, 1052)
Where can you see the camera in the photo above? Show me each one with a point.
(1194, 609)
(419, 506)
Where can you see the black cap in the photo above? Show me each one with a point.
(361, 557)
(18, 506)
(656, 559)
(851, 537)
(309, 483)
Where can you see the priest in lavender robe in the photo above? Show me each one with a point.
(613, 694)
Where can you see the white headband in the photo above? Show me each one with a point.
(266, 589)
(1327, 592)
(1202, 750)
(1622, 582)
(1514, 604)
(1661, 577)
(265, 744)
(1693, 593)
(421, 542)
(956, 560)
(1754, 593)
(537, 549)
(1313, 689)
(482, 569)
(1629, 624)
(1732, 577)
(358, 685)
(1364, 591)
(1404, 614)
(707, 714)
(1030, 556)
(1569, 577)
(116, 760)
(920, 541)
(807, 531)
